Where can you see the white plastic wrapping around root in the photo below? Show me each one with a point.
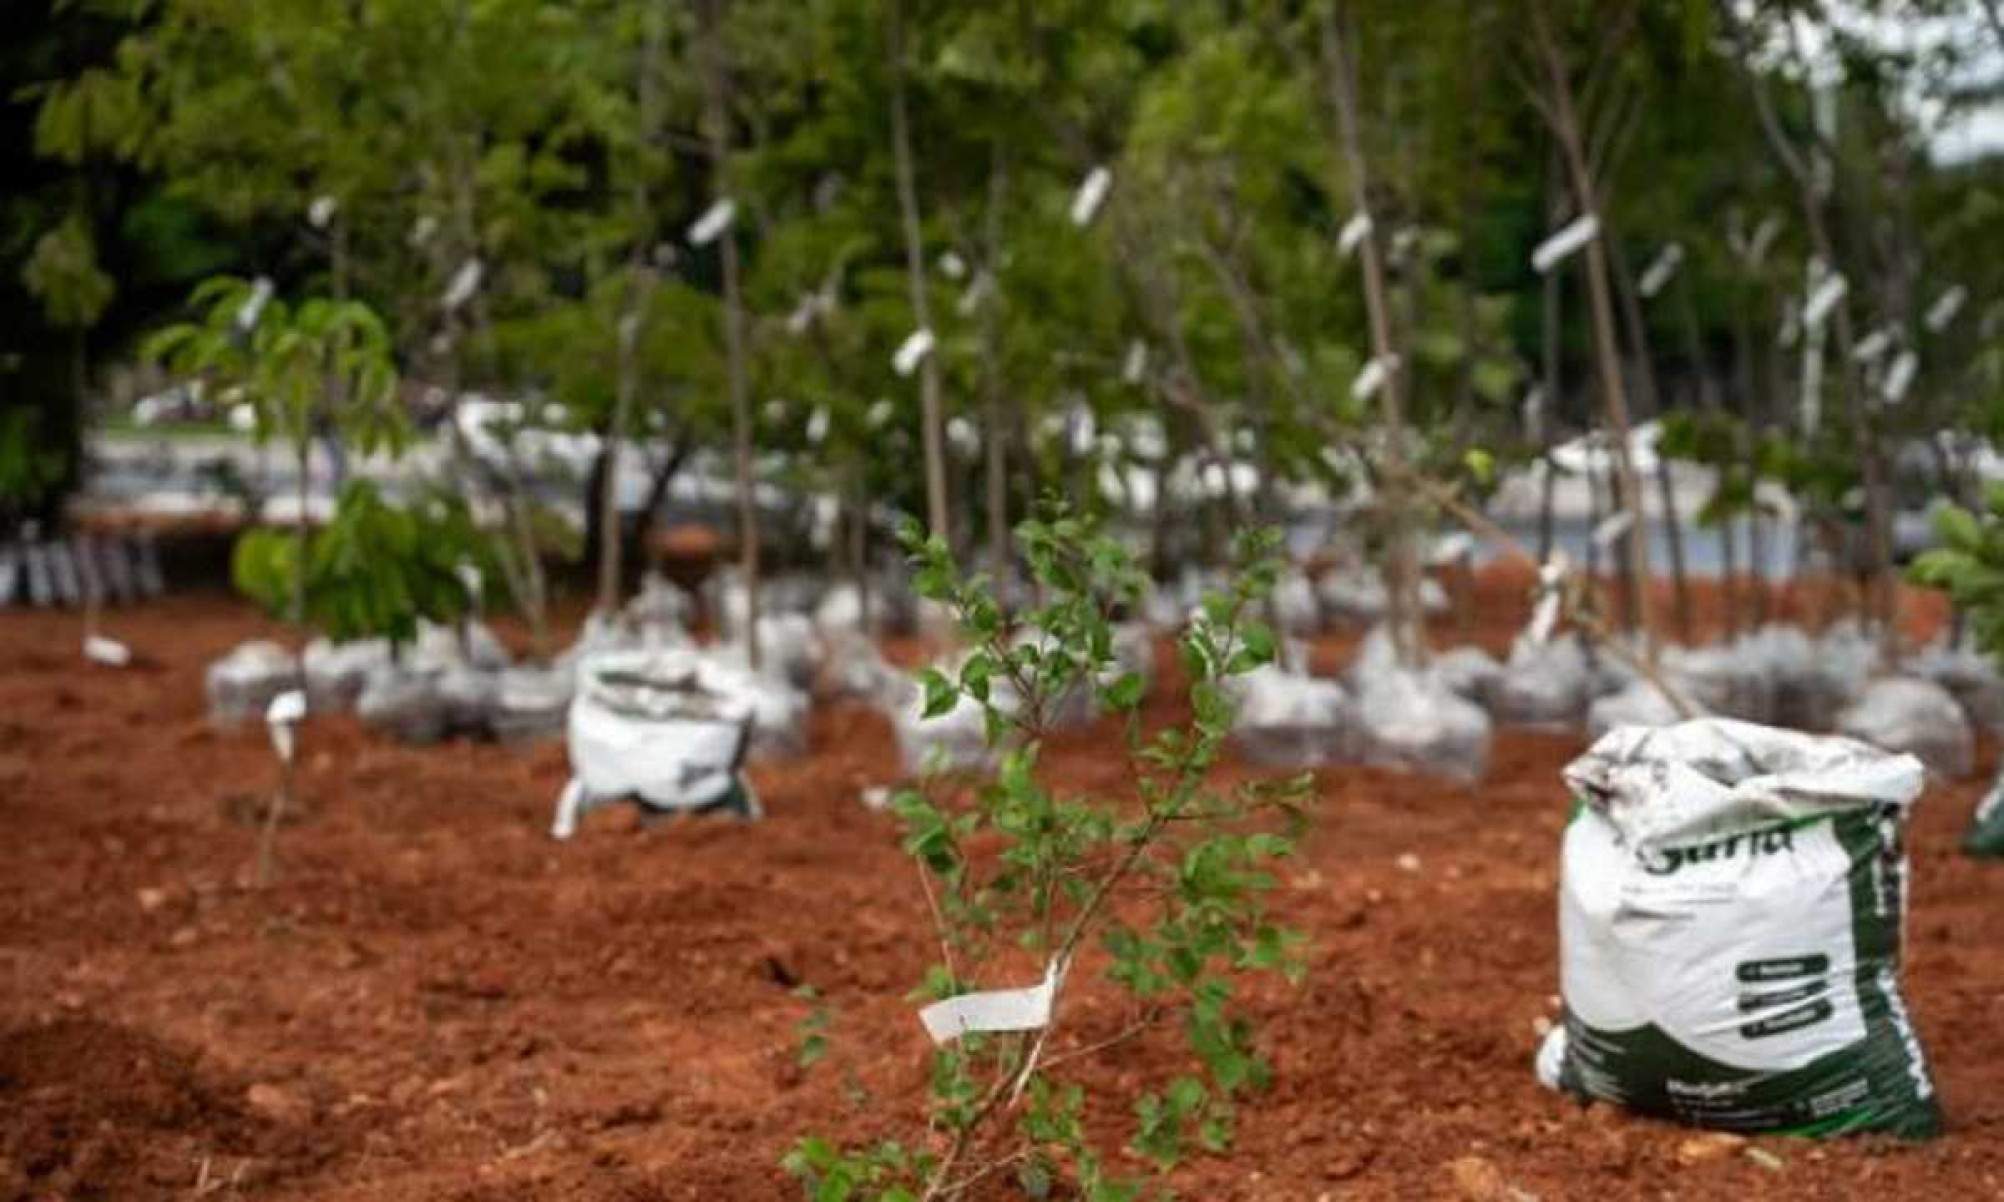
(955, 741)
(1706, 896)
(242, 683)
(668, 728)
(1358, 595)
(1542, 684)
(1411, 719)
(1288, 719)
(336, 672)
(1969, 675)
(1915, 716)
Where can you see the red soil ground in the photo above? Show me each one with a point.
(435, 1001)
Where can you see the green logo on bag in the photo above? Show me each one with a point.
(1773, 841)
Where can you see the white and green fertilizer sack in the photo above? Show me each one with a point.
(1730, 921)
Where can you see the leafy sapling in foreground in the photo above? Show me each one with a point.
(1131, 916)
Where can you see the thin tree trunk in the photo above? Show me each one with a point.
(1601, 306)
(1402, 574)
(716, 94)
(1652, 400)
(995, 437)
(931, 421)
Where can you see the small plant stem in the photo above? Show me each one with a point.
(273, 814)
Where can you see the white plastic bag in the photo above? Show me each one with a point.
(1729, 932)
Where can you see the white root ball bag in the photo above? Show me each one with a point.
(1730, 910)
(666, 727)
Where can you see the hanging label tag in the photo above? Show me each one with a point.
(1945, 307)
(1135, 366)
(109, 652)
(320, 212)
(1823, 300)
(993, 1010)
(1372, 378)
(912, 352)
(1091, 195)
(714, 221)
(1873, 345)
(1564, 244)
(252, 309)
(1899, 377)
(1354, 232)
(281, 716)
(1612, 527)
(465, 282)
(1662, 270)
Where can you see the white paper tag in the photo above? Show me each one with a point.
(1612, 527)
(993, 1010)
(1353, 233)
(1135, 366)
(1945, 307)
(879, 414)
(320, 212)
(912, 351)
(109, 652)
(1662, 270)
(253, 306)
(1452, 548)
(243, 418)
(1091, 195)
(281, 716)
(1873, 345)
(1899, 377)
(422, 229)
(1372, 378)
(817, 425)
(714, 221)
(1564, 244)
(1817, 309)
(952, 266)
(979, 289)
(465, 282)
(469, 577)
(1763, 238)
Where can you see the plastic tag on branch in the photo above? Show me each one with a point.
(994, 1009)
(1451, 548)
(1545, 614)
(1135, 366)
(1353, 233)
(1661, 270)
(1823, 298)
(108, 652)
(1762, 240)
(422, 230)
(1945, 307)
(978, 291)
(243, 418)
(1873, 346)
(321, 212)
(817, 425)
(1534, 411)
(952, 266)
(281, 716)
(802, 318)
(1372, 378)
(912, 351)
(1565, 244)
(879, 415)
(469, 577)
(1612, 527)
(1899, 377)
(714, 221)
(1091, 195)
(252, 309)
(961, 435)
(465, 282)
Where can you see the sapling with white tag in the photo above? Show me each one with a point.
(1149, 903)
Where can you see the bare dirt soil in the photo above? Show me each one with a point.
(435, 1001)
